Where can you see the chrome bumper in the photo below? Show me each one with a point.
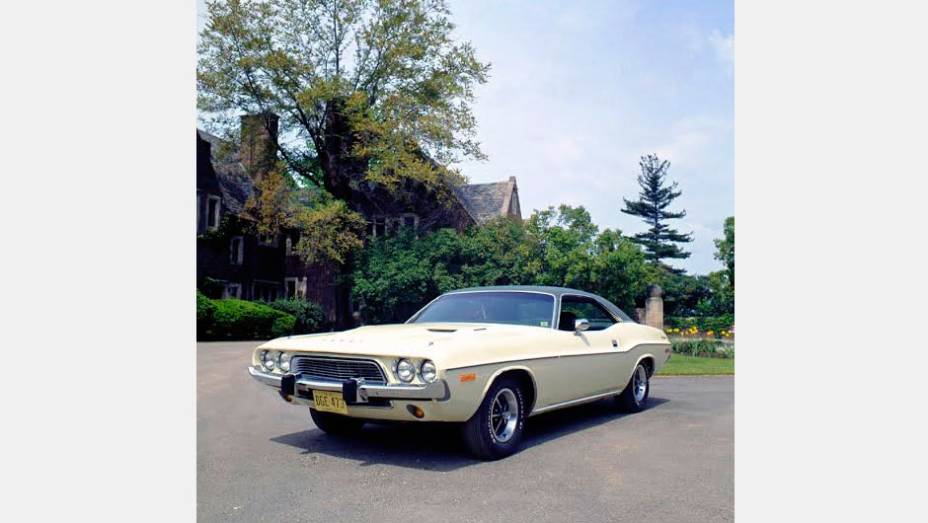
(433, 391)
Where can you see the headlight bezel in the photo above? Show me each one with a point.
(433, 371)
(403, 362)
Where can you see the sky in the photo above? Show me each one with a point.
(579, 91)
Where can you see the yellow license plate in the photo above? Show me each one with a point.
(330, 401)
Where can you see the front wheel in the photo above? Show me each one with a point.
(635, 396)
(336, 423)
(495, 430)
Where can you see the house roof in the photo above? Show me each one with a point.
(482, 201)
(485, 201)
(234, 183)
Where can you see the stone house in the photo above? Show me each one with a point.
(240, 265)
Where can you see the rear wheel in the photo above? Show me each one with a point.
(495, 430)
(635, 396)
(336, 423)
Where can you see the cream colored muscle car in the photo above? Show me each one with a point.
(485, 357)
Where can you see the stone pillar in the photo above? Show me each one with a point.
(654, 307)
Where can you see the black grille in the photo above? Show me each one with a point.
(337, 369)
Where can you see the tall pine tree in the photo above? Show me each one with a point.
(659, 241)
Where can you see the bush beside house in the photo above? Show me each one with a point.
(240, 320)
(309, 316)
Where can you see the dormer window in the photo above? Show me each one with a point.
(236, 250)
(213, 207)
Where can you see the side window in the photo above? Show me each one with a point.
(578, 307)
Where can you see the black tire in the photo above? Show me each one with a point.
(336, 424)
(628, 401)
(482, 432)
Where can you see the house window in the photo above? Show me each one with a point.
(290, 287)
(236, 250)
(265, 291)
(213, 206)
(199, 204)
(379, 226)
(289, 244)
(268, 240)
(233, 290)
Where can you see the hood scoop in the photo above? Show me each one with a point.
(436, 329)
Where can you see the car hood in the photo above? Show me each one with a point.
(422, 340)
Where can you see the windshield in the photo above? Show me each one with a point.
(513, 308)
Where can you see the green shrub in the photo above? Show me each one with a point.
(704, 348)
(205, 311)
(309, 316)
(240, 320)
(283, 326)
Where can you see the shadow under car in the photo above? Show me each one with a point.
(438, 446)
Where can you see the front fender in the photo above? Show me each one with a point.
(469, 385)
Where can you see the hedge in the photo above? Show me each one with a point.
(232, 319)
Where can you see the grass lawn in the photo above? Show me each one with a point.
(683, 365)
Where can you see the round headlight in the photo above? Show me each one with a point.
(283, 361)
(405, 370)
(428, 371)
(270, 359)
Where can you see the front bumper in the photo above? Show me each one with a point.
(355, 392)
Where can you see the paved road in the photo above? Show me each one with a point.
(259, 458)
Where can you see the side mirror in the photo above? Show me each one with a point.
(581, 324)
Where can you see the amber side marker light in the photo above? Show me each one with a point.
(468, 377)
(415, 411)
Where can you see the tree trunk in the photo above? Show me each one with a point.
(339, 167)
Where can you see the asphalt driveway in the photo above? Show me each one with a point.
(261, 459)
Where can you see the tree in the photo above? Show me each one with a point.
(397, 275)
(659, 241)
(369, 93)
(725, 250)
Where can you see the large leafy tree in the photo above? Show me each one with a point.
(555, 246)
(660, 241)
(369, 93)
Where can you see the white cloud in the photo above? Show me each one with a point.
(724, 47)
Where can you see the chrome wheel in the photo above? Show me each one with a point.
(640, 383)
(504, 415)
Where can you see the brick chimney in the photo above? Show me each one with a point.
(259, 143)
